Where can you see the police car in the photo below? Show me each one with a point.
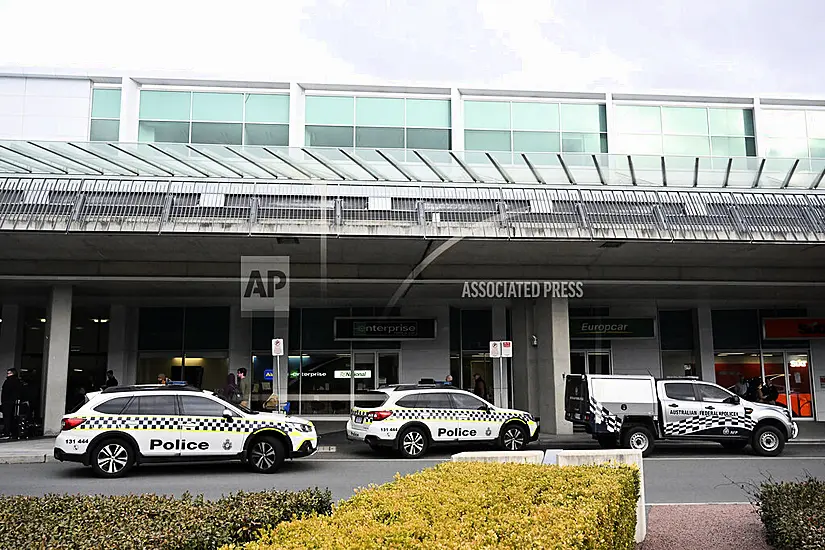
(122, 426)
(411, 418)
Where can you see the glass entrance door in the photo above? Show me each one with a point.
(590, 362)
(373, 369)
(789, 372)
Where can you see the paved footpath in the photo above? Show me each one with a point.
(704, 527)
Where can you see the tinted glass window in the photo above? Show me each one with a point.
(683, 392)
(434, 401)
(201, 406)
(735, 329)
(206, 328)
(476, 329)
(157, 404)
(713, 393)
(113, 406)
(409, 402)
(160, 328)
(370, 399)
(464, 401)
(676, 329)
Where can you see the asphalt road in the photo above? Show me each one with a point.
(673, 475)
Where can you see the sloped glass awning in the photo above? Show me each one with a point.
(323, 164)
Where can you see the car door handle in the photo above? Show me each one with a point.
(190, 425)
(673, 405)
(710, 408)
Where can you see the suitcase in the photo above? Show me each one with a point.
(23, 420)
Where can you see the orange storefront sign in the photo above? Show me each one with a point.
(793, 328)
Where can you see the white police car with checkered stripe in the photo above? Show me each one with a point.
(411, 418)
(120, 427)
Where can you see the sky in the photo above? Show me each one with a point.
(729, 46)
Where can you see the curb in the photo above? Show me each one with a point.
(31, 458)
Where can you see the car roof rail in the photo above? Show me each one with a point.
(152, 387)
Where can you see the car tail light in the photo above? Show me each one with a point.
(380, 415)
(69, 423)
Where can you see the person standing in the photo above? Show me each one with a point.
(111, 381)
(480, 388)
(9, 396)
(245, 387)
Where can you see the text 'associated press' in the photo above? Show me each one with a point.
(522, 289)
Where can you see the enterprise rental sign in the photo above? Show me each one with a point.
(349, 329)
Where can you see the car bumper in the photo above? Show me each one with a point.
(307, 448)
(354, 433)
(63, 456)
(794, 430)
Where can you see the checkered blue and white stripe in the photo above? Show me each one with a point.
(603, 417)
(207, 424)
(700, 423)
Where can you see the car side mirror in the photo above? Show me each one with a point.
(227, 414)
(733, 400)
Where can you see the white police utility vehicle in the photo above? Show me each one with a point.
(119, 427)
(411, 418)
(636, 411)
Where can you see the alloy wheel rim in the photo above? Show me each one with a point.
(413, 443)
(112, 458)
(263, 455)
(769, 441)
(513, 439)
(639, 442)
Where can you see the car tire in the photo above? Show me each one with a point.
(768, 441)
(111, 458)
(639, 438)
(374, 446)
(734, 445)
(413, 442)
(513, 438)
(265, 455)
(607, 441)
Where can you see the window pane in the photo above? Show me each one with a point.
(217, 132)
(735, 329)
(639, 144)
(113, 406)
(535, 116)
(206, 328)
(467, 402)
(201, 406)
(731, 122)
(104, 130)
(713, 393)
(817, 147)
(157, 404)
(583, 143)
(163, 132)
(733, 147)
(476, 329)
(379, 111)
(676, 329)
(329, 136)
(105, 103)
(434, 401)
(778, 123)
(266, 134)
(330, 110)
(388, 138)
(683, 392)
(428, 113)
(159, 105)
(632, 119)
(686, 145)
(477, 140)
(493, 115)
(536, 142)
(267, 108)
(160, 328)
(408, 402)
(217, 107)
(684, 120)
(583, 118)
(424, 138)
(787, 147)
(816, 124)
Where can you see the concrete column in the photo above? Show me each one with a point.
(240, 342)
(131, 345)
(501, 382)
(758, 131)
(457, 119)
(705, 344)
(636, 356)
(56, 357)
(552, 323)
(297, 115)
(11, 343)
(129, 110)
(522, 351)
(117, 353)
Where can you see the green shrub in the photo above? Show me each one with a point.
(793, 513)
(149, 521)
(479, 506)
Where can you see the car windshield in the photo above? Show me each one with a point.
(246, 410)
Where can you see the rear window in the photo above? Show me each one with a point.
(681, 392)
(370, 400)
(113, 406)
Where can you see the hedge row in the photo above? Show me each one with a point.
(793, 514)
(62, 522)
(478, 506)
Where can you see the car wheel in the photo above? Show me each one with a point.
(265, 455)
(607, 441)
(638, 438)
(734, 445)
(413, 443)
(768, 441)
(112, 458)
(513, 438)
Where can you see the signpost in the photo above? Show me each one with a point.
(277, 352)
(501, 349)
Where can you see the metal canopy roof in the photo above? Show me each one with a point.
(320, 164)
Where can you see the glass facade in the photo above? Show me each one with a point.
(377, 122)
(508, 127)
(792, 134)
(220, 118)
(105, 123)
(684, 131)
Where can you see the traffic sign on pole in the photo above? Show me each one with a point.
(506, 348)
(277, 347)
(495, 349)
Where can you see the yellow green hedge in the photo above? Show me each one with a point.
(477, 505)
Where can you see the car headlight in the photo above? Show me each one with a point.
(306, 428)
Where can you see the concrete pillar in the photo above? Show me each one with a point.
(704, 346)
(457, 119)
(552, 322)
(56, 357)
(297, 116)
(636, 356)
(501, 381)
(11, 343)
(524, 366)
(240, 343)
(116, 360)
(129, 110)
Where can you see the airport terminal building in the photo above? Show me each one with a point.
(387, 234)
